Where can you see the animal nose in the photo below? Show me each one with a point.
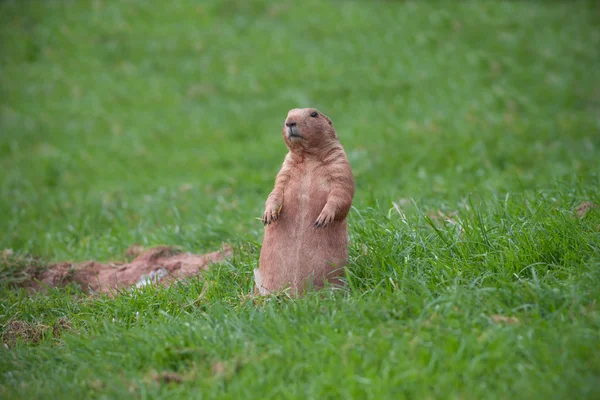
(289, 124)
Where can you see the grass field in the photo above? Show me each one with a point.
(473, 130)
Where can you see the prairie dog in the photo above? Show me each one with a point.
(306, 233)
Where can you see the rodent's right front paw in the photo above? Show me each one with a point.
(271, 214)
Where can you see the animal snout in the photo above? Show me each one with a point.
(290, 124)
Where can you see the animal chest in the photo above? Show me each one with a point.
(306, 193)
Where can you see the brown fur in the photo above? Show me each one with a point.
(306, 235)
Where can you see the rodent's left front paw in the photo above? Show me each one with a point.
(325, 218)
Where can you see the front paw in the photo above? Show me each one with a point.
(271, 214)
(325, 218)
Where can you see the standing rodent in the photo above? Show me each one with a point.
(306, 233)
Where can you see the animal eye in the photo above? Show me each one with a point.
(314, 114)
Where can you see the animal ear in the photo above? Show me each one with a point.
(328, 120)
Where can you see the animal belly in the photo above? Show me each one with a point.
(293, 249)
(292, 253)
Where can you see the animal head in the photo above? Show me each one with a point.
(308, 129)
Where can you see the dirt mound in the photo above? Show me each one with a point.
(163, 264)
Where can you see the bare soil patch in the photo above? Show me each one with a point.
(32, 332)
(583, 208)
(159, 264)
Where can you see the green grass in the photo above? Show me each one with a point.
(159, 123)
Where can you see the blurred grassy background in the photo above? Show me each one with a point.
(159, 122)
